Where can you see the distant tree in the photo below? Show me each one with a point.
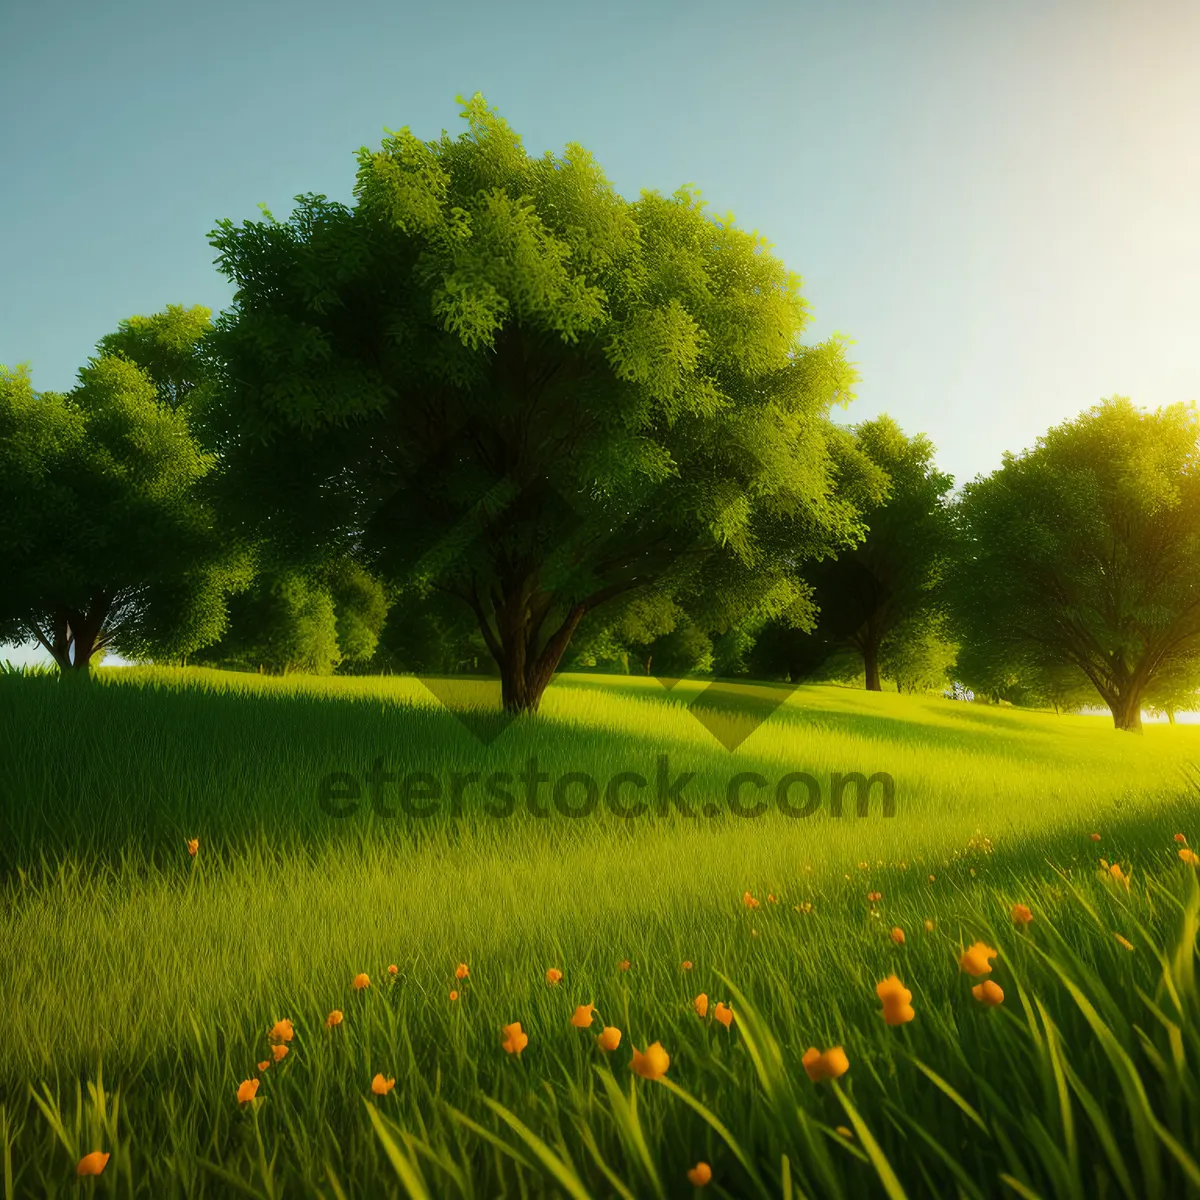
(599, 650)
(781, 650)
(889, 582)
(996, 673)
(1176, 691)
(430, 635)
(918, 656)
(685, 650)
(513, 386)
(1084, 553)
(307, 620)
(106, 540)
(284, 622)
(1062, 687)
(360, 605)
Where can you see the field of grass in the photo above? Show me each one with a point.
(139, 983)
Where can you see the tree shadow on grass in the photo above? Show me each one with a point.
(734, 710)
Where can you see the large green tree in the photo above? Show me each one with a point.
(504, 382)
(106, 538)
(1084, 553)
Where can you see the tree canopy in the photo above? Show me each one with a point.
(495, 378)
(166, 345)
(880, 599)
(1083, 555)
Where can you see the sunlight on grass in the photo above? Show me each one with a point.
(146, 970)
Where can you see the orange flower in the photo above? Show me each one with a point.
(279, 1052)
(334, 1018)
(723, 1013)
(653, 1064)
(928, 926)
(381, 1086)
(624, 964)
(1124, 941)
(700, 1004)
(393, 970)
(453, 994)
(932, 878)
(988, 993)
(897, 1001)
(1181, 839)
(193, 846)
(874, 896)
(91, 1164)
(1021, 914)
(831, 1064)
(247, 1090)
(700, 1174)
(609, 1039)
(361, 981)
(974, 961)
(262, 1066)
(771, 899)
(515, 1038)
(282, 1031)
(897, 936)
(1190, 857)
(553, 976)
(461, 971)
(749, 901)
(1094, 836)
(687, 964)
(1118, 876)
(583, 1016)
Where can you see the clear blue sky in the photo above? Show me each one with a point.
(999, 202)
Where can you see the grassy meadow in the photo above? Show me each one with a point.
(139, 983)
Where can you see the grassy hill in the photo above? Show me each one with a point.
(130, 960)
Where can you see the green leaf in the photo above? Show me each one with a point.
(883, 1168)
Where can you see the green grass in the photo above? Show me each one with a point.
(139, 984)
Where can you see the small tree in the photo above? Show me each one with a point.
(889, 582)
(1084, 553)
(918, 656)
(1174, 692)
(360, 605)
(430, 635)
(310, 620)
(107, 541)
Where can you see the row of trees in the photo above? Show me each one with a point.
(496, 413)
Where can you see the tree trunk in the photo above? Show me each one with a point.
(525, 672)
(871, 664)
(1127, 712)
(85, 647)
(1171, 716)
